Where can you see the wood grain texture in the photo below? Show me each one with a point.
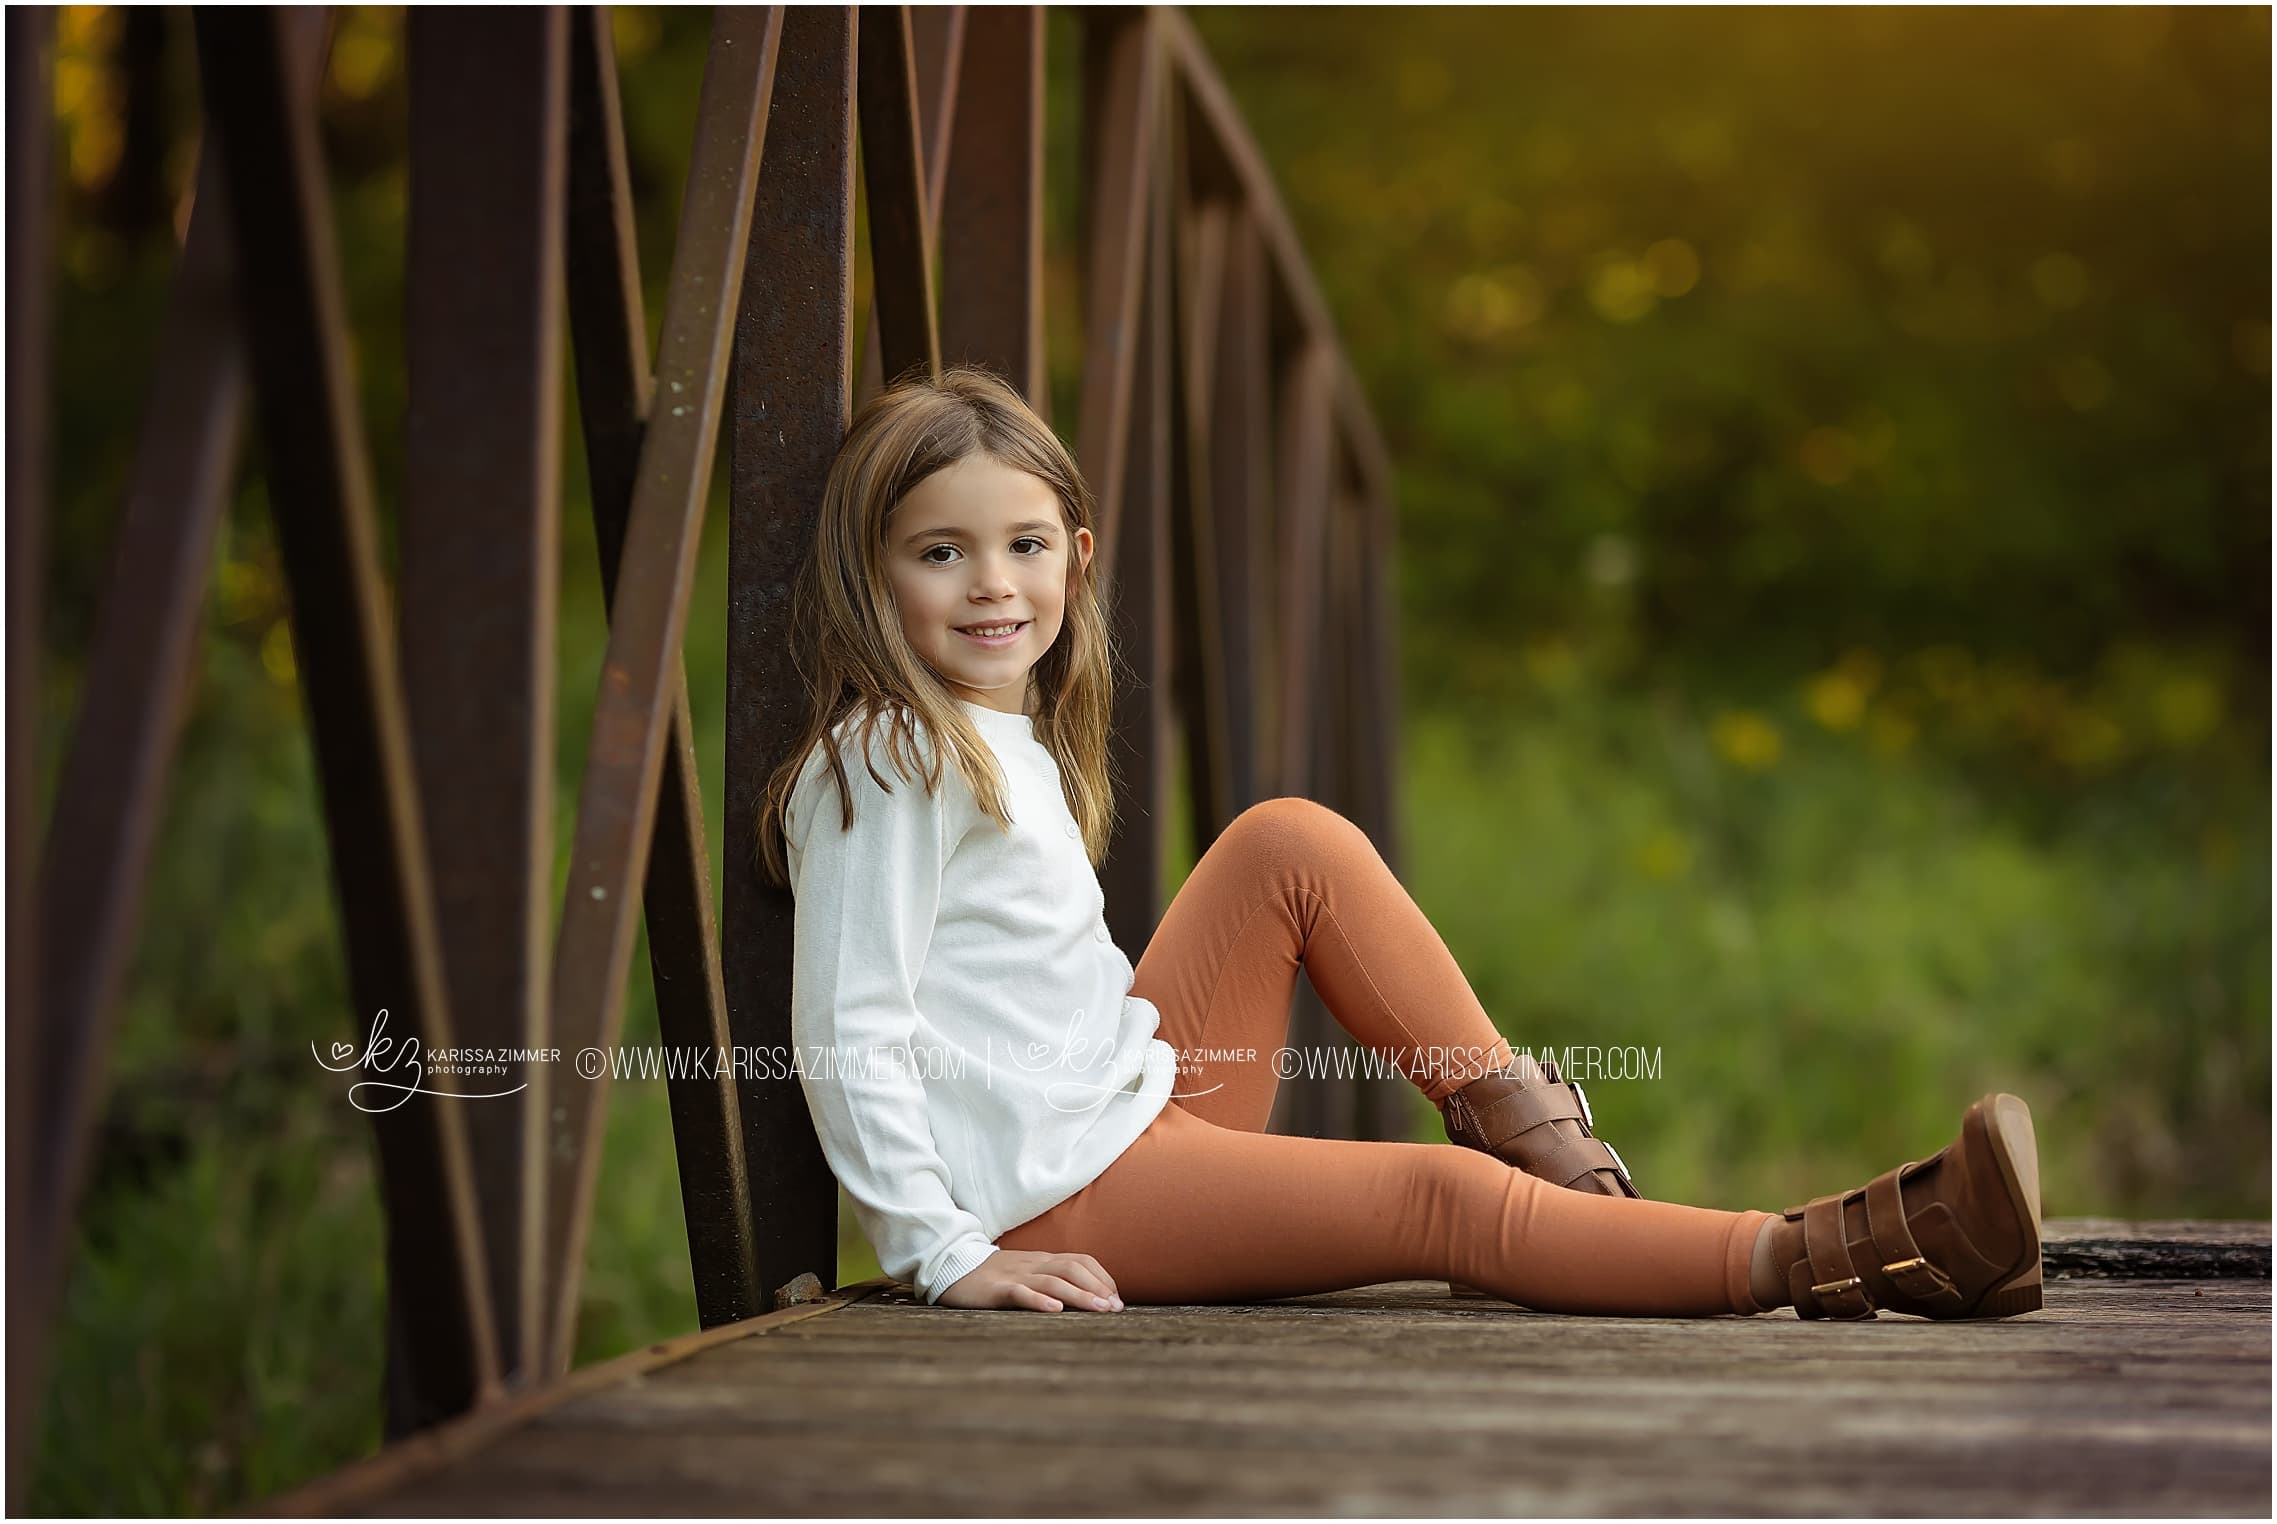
(2120, 1397)
(2182, 1250)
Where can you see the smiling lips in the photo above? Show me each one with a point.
(1006, 631)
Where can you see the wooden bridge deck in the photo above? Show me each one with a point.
(2124, 1395)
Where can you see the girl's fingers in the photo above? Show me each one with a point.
(1102, 1273)
(1027, 1296)
(1083, 1275)
(1074, 1295)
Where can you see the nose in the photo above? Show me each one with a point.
(991, 578)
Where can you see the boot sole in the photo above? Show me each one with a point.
(2008, 1123)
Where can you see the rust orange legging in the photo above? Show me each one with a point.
(1208, 1206)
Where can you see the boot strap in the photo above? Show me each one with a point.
(1496, 1125)
(1518, 1111)
(1835, 1286)
(1576, 1157)
(1831, 1277)
(1902, 1259)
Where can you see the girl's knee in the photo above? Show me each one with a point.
(1303, 825)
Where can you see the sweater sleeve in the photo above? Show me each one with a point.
(865, 902)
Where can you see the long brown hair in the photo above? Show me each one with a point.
(847, 640)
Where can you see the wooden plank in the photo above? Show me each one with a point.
(424, 1453)
(2119, 1397)
(2107, 1246)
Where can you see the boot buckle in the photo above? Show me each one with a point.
(1622, 1165)
(1588, 1122)
(1829, 1288)
(1939, 1283)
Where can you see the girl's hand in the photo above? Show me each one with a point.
(1039, 1282)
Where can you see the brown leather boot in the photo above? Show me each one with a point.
(1955, 1235)
(1532, 1118)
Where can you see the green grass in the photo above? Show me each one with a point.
(1834, 955)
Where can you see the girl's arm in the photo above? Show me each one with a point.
(866, 901)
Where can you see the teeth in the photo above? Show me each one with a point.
(993, 629)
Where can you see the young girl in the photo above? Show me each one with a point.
(1023, 1120)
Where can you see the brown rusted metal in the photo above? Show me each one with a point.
(1139, 593)
(320, 487)
(1245, 539)
(1241, 167)
(1199, 676)
(1122, 89)
(111, 785)
(616, 810)
(791, 389)
(1307, 415)
(1369, 736)
(32, 1230)
(1377, 615)
(1241, 495)
(992, 211)
(607, 326)
(1306, 399)
(614, 390)
(937, 35)
(481, 552)
(893, 185)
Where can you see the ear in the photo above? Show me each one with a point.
(1082, 551)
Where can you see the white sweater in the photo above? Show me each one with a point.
(980, 959)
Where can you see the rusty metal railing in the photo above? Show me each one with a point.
(1244, 504)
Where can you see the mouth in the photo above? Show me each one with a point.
(1006, 632)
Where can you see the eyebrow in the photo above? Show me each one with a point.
(946, 533)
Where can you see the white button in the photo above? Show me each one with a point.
(1074, 831)
(1100, 934)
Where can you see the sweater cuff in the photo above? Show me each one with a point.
(963, 1258)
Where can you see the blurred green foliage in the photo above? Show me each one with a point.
(1750, 339)
(1833, 455)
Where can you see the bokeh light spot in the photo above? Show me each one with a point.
(1673, 266)
(1746, 739)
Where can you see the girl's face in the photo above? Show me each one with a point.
(977, 545)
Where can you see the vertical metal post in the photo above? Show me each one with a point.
(481, 558)
(792, 388)
(30, 150)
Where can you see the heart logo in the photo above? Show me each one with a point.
(1036, 1052)
(342, 1049)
